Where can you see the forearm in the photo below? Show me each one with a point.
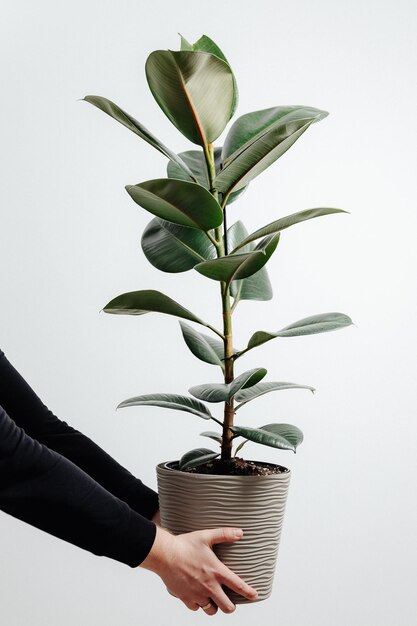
(46, 490)
(28, 411)
(87, 455)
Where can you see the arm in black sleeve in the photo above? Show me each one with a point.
(46, 490)
(27, 410)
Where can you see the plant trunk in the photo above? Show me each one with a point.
(229, 411)
(222, 249)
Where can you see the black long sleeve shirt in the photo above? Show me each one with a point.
(57, 479)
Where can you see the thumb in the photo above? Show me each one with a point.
(222, 535)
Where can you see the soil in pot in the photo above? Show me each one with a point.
(237, 467)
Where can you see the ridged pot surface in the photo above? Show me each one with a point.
(192, 501)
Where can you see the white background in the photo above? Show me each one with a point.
(69, 242)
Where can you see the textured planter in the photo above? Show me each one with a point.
(256, 504)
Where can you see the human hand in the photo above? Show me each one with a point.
(192, 572)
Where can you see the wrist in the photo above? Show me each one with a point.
(159, 553)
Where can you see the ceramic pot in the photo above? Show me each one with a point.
(192, 501)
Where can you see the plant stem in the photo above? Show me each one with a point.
(228, 373)
(226, 247)
(226, 449)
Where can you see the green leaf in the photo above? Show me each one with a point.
(251, 126)
(265, 147)
(322, 323)
(263, 437)
(195, 90)
(211, 392)
(255, 287)
(202, 346)
(185, 45)
(213, 435)
(246, 395)
(109, 107)
(221, 392)
(148, 301)
(195, 161)
(245, 380)
(177, 201)
(285, 222)
(197, 457)
(169, 401)
(173, 248)
(238, 266)
(290, 433)
(205, 44)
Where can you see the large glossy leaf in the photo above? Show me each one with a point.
(263, 149)
(222, 392)
(211, 392)
(212, 435)
(246, 395)
(173, 248)
(205, 44)
(252, 125)
(238, 266)
(169, 401)
(264, 437)
(322, 323)
(255, 287)
(195, 161)
(203, 346)
(149, 301)
(285, 222)
(112, 109)
(195, 90)
(290, 433)
(197, 457)
(177, 201)
(257, 157)
(246, 380)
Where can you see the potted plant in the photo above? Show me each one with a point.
(206, 488)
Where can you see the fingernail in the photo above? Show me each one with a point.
(238, 532)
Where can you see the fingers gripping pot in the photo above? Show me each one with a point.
(192, 501)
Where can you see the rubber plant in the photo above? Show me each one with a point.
(196, 89)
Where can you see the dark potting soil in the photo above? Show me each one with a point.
(237, 466)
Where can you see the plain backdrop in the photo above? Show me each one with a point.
(70, 241)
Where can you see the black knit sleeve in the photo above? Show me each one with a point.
(27, 410)
(46, 490)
